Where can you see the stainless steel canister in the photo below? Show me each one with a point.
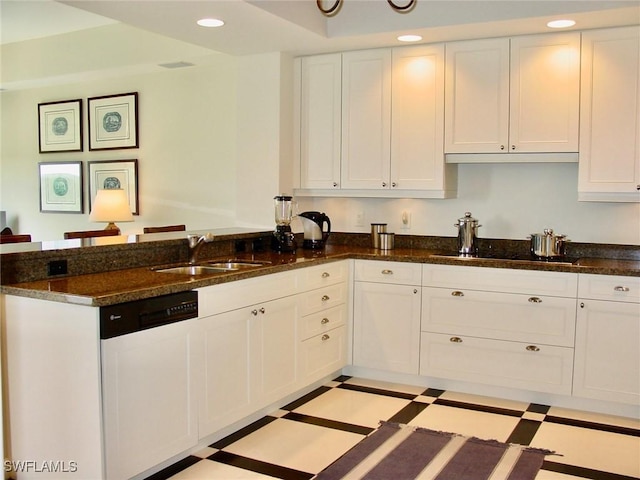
(387, 241)
(467, 235)
(376, 230)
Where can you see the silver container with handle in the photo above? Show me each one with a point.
(548, 244)
(467, 235)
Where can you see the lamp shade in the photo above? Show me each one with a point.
(111, 205)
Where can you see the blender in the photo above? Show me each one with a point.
(283, 238)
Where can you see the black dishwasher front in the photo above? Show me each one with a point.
(129, 317)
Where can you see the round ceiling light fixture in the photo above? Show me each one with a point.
(409, 38)
(210, 22)
(561, 24)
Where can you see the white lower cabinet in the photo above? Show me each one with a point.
(511, 328)
(607, 358)
(386, 325)
(149, 397)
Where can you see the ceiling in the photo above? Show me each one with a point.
(293, 26)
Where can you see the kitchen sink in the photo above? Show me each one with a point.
(193, 270)
(208, 268)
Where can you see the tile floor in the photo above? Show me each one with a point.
(302, 438)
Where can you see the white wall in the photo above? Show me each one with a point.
(509, 200)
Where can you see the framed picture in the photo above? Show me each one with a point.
(115, 174)
(60, 126)
(113, 121)
(61, 187)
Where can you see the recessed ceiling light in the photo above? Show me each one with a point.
(561, 24)
(210, 22)
(409, 38)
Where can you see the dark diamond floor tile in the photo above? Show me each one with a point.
(524, 432)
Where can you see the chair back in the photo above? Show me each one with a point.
(15, 238)
(167, 228)
(91, 233)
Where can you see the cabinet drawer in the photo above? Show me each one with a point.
(325, 274)
(504, 316)
(494, 362)
(388, 272)
(557, 284)
(230, 296)
(323, 298)
(323, 354)
(323, 321)
(609, 287)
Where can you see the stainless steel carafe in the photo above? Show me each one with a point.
(467, 235)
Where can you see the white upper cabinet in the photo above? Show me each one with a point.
(417, 118)
(518, 95)
(609, 168)
(366, 119)
(320, 121)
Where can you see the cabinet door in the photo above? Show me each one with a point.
(273, 349)
(607, 354)
(366, 119)
(417, 125)
(609, 168)
(320, 120)
(224, 370)
(150, 404)
(477, 96)
(544, 93)
(386, 327)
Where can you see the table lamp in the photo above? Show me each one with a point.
(111, 205)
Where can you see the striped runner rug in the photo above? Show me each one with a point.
(401, 452)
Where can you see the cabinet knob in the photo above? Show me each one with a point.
(394, 184)
(384, 184)
(324, 321)
(325, 298)
(501, 147)
(335, 184)
(325, 274)
(621, 288)
(387, 272)
(532, 348)
(262, 310)
(254, 312)
(535, 300)
(637, 187)
(457, 293)
(513, 147)
(455, 340)
(415, 290)
(325, 337)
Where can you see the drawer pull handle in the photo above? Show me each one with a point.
(324, 321)
(325, 298)
(387, 272)
(325, 275)
(455, 340)
(325, 337)
(535, 300)
(457, 293)
(621, 288)
(254, 312)
(261, 310)
(532, 348)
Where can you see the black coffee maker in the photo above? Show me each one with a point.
(283, 238)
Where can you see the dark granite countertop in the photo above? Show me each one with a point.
(107, 288)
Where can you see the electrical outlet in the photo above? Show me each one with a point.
(57, 267)
(359, 219)
(405, 220)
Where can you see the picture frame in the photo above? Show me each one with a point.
(115, 174)
(61, 187)
(60, 126)
(113, 121)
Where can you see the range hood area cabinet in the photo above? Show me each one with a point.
(609, 168)
(371, 124)
(513, 95)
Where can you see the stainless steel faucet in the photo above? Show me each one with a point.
(195, 244)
